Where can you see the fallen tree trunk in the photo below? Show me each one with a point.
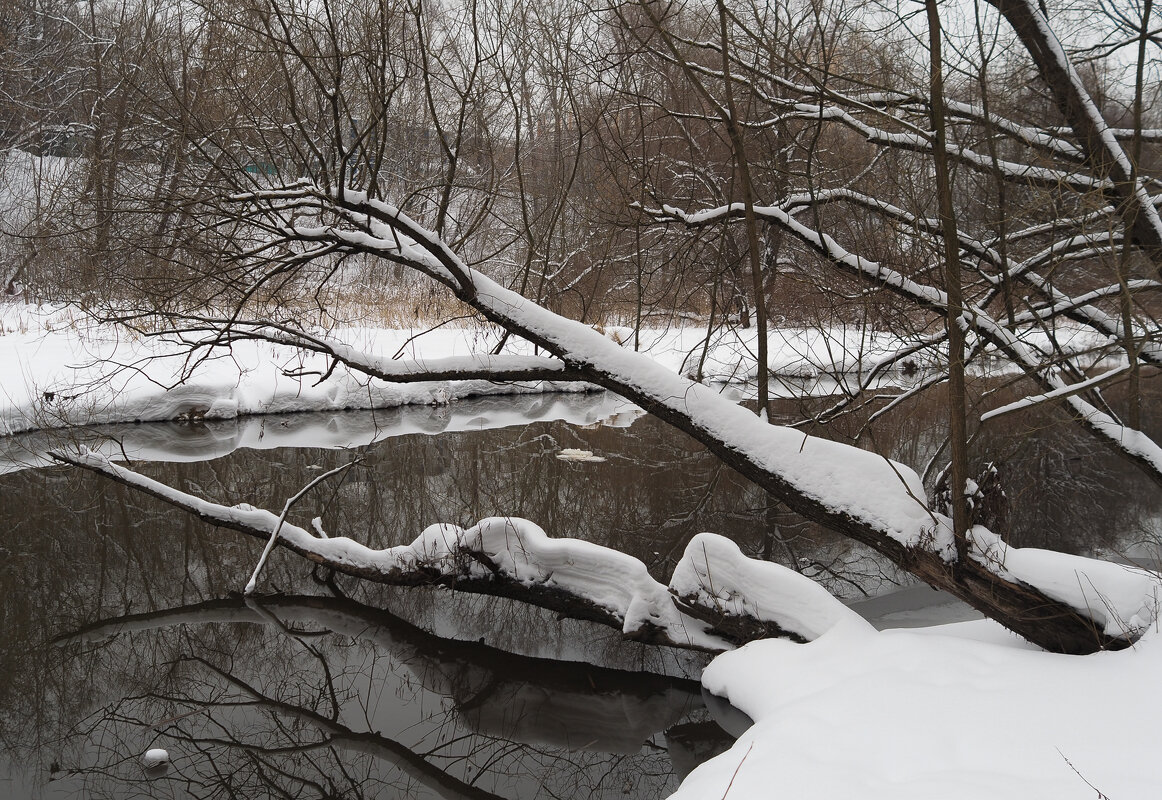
(717, 598)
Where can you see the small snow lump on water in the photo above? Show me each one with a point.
(154, 758)
(573, 454)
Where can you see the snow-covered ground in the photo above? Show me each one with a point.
(61, 369)
(956, 711)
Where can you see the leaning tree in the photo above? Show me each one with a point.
(399, 138)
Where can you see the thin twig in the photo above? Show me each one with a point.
(1100, 794)
(736, 769)
(282, 518)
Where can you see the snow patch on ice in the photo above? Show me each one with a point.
(574, 454)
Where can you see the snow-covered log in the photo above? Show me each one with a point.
(718, 598)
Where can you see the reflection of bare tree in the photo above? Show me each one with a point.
(294, 709)
(301, 749)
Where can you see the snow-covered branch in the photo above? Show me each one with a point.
(499, 368)
(1056, 394)
(1098, 140)
(824, 103)
(1129, 442)
(716, 599)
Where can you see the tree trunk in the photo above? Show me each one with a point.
(1102, 150)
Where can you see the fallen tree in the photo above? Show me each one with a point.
(716, 599)
(268, 233)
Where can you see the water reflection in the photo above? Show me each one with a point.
(209, 439)
(293, 695)
(329, 698)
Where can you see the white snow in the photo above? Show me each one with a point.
(957, 712)
(714, 570)
(61, 369)
(154, 757)
(574, 454)
(338, 430)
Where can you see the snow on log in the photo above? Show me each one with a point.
(717, 599)
(884, 495)
(713, 573)
(1123, 600)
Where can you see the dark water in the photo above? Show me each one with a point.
(123, 630)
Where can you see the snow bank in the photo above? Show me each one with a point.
(61, 369)
(961, 712)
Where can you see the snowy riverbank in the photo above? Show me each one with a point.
(959, 711)
(62, 369)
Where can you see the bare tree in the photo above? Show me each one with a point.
(288, 231)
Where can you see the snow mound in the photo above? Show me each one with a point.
(154, 758)
(916, 715)
(714, 572)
